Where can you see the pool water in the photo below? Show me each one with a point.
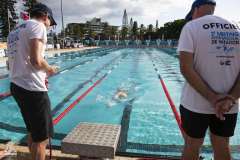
(148, 124)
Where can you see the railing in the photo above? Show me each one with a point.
(158, 43)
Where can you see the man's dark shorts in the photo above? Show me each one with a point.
(36, 112)
(195, 124)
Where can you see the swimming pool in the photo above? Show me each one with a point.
(148, 123)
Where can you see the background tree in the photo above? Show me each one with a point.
(161, 32)
(142, 31)
(124, 32)
(92, 34)
(29, 4)
(170, 30)
(149, 33)
(75, 30)
(113, 31)
(80, 31)
(106, 31)
(7, 10)
(173, 29)
(135, 29)
(150, 28)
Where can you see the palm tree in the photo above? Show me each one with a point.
(8, 16)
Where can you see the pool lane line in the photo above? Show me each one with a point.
(67, 98)
(170, 54)
(22, 130)
(170, 101)
(8, 94)
(72, 105)
(78, 64)
(177, 78)
(125, 121)
(80, 86)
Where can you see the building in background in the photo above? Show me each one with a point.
(95, 25)
(94, 28)
(125, 20)
(131, 23)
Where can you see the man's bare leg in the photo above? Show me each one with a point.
(221, 147)
(192, 148)
(39, 150)
(29, 142)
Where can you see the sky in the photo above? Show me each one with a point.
(143, 11)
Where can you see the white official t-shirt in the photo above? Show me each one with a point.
(22, 72)
(215, 43)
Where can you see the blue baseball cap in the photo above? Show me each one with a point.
(42, 8)
(198, 3)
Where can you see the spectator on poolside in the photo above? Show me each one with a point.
(209, 48)
(28, 71)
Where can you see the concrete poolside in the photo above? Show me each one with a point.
(23, 154)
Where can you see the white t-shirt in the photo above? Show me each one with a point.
(215, 43)
(22, 72)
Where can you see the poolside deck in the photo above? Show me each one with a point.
(23, 154)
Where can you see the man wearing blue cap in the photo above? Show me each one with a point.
(28, 71)
(209, 48)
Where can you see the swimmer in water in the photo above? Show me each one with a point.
(120, 94)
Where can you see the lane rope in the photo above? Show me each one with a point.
(72, 105)
(8, 94)
(80, 86)
(178, 78)
(170, 101)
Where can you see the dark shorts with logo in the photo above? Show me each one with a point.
(195, 124)
(36, 112)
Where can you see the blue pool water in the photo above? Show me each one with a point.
(148, 124)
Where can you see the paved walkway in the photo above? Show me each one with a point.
(23, 154)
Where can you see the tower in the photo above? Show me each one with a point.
(156, 24)
(131, 23)
(125, 19)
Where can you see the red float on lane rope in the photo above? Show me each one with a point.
(71, 106)
(170, 101)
